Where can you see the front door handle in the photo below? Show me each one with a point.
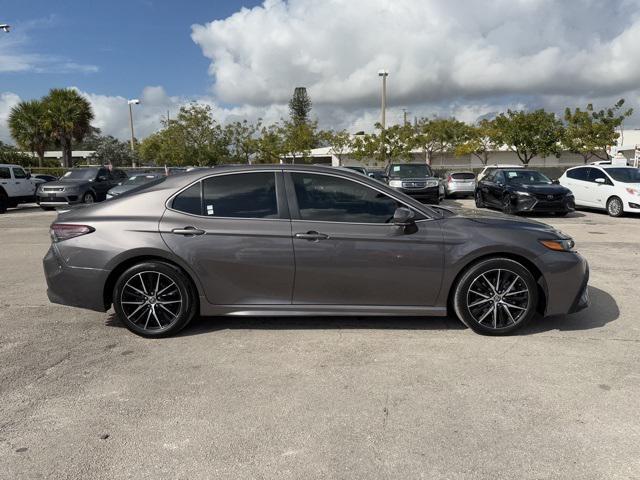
(312, 236)
(188, 231)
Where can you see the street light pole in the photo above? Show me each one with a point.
(133, 101)
(384, 74)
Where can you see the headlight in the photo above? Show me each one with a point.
(522, 194)
(559, 245)
(432, 183)
(109, 196)
(395, 183)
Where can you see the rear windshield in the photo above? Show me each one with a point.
(142, 186)
(624, 175)
(463, 176)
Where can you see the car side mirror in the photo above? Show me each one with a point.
(403, 217)
(600, 180)
(556, 182)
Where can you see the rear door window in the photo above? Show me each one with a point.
(189, 200)
(578, 174)
(241, 195)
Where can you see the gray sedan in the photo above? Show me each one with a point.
(295, 240)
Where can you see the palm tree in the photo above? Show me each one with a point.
(26, 124)
(68, 117)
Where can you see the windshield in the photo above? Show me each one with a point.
(80, 174)
(140, 179)
(410, 170)
(526, 177)
(624, 175)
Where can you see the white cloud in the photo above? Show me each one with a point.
(7, 101)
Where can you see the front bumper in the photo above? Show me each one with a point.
(72, 286)
(56, 200)
(566, 278)
(523, 204)
(428, 194)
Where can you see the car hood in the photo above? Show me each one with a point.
(498, 219)
(540, 189)
(121, 189)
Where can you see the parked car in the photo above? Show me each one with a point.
(416, 180)
(459, 183)
(612, 188)
(489, 168)
(39, 178)
(378, 175)
(79, 185)
(519, 190)
(294, 240)
(15, 186)
(133, 182)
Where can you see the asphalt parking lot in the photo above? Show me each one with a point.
(81, 397)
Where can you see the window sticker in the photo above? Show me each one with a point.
(512, 174)
(396, 168)
(210, 210)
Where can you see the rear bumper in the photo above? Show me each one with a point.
(75, 287)
(452, 189)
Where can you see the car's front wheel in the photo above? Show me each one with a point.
(615, 207)
(154, 299)
(88, 198)
(496, 296)
(479, 200)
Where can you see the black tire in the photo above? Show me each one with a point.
(89, 198)
(479, 200)
(47, 209)
(470, 303)
(615, 207)
(166, 287)
(507, 206)
(561, 214)
(4, 203)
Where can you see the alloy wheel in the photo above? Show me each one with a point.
(151, 300)
(498, 298)
(614, 207)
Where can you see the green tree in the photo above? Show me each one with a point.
(67, 118)
(394, 143)
(340, 143)
(270, 145)
(27, 127)
(110, 150)
(529, 134)
(243, 140)
(589, 132)
(9, 154)
(298, 139)
(479, 140)
(436, 135)
(300, 106)
(193, 138)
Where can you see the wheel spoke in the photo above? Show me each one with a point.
(173, 315)
(512, 285)
(169, 302)
(495, 316)
(136, 289)
(143, 285)
(509, 305)
(155, 292)
(497, 289)
(148, 317)
(489, 283)
(479, 294)
(479, 302)
(153, 310)
(515, 293)
(132, 303)
(131, 317)
(486, 314)
(165, 288)
(504, 307)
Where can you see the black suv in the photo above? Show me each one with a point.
(414, 179)
(79, 185)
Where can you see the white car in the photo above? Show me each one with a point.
(15, 186)
(612, 188)
(489, 168)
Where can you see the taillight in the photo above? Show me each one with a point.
(65, 231)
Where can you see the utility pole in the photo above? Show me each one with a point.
(133, 101)
(405, 112)
(384, 74)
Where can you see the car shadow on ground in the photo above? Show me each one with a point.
(603, 309)
(456, 203)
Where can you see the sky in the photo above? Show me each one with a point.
(463, 58)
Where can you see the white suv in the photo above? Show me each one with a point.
(15, 187)
(615, 189)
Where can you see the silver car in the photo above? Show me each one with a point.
(301, 240)
(459, 184)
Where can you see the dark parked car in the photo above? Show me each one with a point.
(133, 182)
(301, 240)
(522, 190)
(79, 185)
(354, 168)
(416, 180)
(378, 175)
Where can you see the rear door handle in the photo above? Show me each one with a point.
(188, 231)
(311, 236)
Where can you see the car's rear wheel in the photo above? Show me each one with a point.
(615, 207)
(4, 203)
(479, 200)
(496, 296)
(154, 299)
(88, 198)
